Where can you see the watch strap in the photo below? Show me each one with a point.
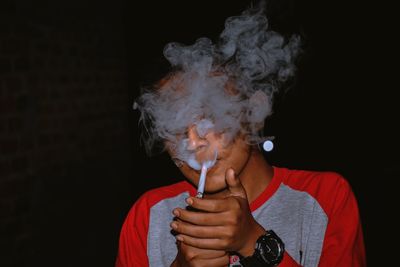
(251, 261)
(259, 260)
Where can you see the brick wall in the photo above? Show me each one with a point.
(64, 110)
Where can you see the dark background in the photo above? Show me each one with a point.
(70, 161)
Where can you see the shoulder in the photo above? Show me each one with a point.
(308, 180)
(329, 189)
(153, 196)
(149, 199)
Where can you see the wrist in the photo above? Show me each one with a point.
(269, 251)
(248, 248)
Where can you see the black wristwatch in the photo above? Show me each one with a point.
(269, 251)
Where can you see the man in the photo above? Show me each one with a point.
(209, 116)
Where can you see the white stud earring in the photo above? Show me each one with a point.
(268, 146)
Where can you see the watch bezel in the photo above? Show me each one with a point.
(265, 252)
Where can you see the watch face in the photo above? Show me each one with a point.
(270, 248)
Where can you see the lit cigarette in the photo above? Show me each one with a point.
(202, 181)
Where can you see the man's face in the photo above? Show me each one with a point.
(233, 154)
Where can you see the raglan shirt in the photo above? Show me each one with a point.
(314, 213)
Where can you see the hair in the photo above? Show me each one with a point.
(225, 87)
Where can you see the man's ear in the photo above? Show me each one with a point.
(169, 148)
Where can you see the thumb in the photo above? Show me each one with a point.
(235, 187)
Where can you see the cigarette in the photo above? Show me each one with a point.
(202, 181)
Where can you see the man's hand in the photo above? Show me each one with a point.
(219, 224)
(189, 256)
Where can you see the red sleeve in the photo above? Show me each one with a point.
(343, 244)
(288, 261)
(132, 251)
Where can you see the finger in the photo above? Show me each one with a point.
(211, 254)
(235, 187)
(209, 205)
(197, 231)
(203, 243)
(215, 262)
(201, 253)
(201, 218)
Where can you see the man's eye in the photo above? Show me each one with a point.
(204, 127)
(203, 134)
(181, 135)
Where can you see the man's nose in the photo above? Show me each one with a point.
(195, 141)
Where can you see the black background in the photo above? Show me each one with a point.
(340, 115)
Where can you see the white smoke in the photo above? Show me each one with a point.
(224, 87)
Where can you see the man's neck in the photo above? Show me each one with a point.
(256, 175)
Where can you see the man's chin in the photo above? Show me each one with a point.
(214, 184)
(214, 189)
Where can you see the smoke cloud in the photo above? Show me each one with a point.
(226, 87)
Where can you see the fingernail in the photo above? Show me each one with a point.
(179, 238)
(176, 212)
(174, 225)
(189, 201)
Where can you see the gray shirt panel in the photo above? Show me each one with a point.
(298, 220)
(161, 247)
